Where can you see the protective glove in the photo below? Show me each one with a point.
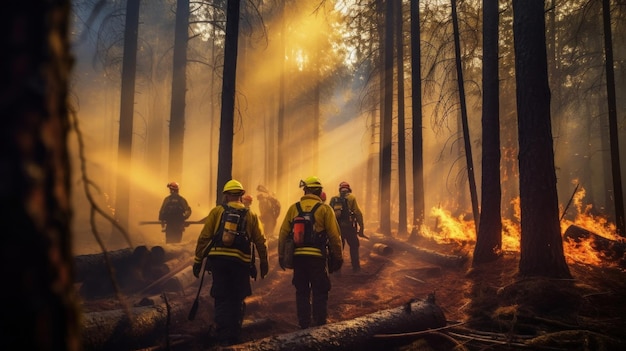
(264, 268)
(361, 234)
(337, 262)
(281, 264)
(197, 267)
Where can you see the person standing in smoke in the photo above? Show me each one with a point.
(350, 220)
(269, 209)
(173, 213)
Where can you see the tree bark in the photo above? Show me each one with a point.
(489, 233)
(179, 89)
(541, 242)
(402, 193)
(40, 310)
(386, 125)
(418, 140)
(618, 196)
(225, 159)
(357, 333)
(127, 109)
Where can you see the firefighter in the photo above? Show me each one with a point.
(310, 273)
(269, 210)
(173, 213)
(350, 220)
(226, 240)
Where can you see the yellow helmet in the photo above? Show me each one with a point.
(311, 182)
(233, 186)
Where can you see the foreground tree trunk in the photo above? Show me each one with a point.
(127, 109)
(418, 148)
(358, 333)
(179, 89)
(40, 310)
(225, 160)
(489, 233)
(618, 196)
(541, 242)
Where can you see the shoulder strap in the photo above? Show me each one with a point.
(299, 208)
(317, 205)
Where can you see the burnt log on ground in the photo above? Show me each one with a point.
(355, 334)
(135, 328)
(431, 256)
(610, 249)
(91, 264)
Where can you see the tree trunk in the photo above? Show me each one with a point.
(541, 242)
(489, 234)
(402, 221)
(418, 140)
(40, 309)
(386, 125)
(281, 154)
(179, 89)
(127, 109)
(358, 333)
(466, 136)
(225, 161)
(618, 197)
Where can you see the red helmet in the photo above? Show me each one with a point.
(344, 185)
(173, 185)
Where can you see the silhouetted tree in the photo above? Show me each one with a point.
(41, 307)
(417, 141)
(618, 196)
(386, 124)
(489, 233)
(225, 152)
(464, 122)
(402, 221)
(179, 89)
(127, 109)
(541, 242)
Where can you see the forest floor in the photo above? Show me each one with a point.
(485, 308)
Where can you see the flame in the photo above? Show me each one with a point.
(450, 229)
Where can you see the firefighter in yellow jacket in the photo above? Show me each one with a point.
(323, 243)
(226, 239)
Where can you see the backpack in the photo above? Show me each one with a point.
(302, 226)
(173, 209)
(340, 206)
(232, 229)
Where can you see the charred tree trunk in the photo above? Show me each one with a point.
(386, 125)
(466, 136)
(40, 310)
(618, 196)
(179, 89)
(402, 221)
(418, 139)
(489, 234)
(541, 242)
(127, 109)
(225, 160)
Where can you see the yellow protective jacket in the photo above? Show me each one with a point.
(324, 221)
(254, 231)
(353, 206)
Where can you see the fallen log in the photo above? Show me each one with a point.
(441, 259)
(91, 264)
(355, 334)
(180, 281)
(137, 328)
(611, 249)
